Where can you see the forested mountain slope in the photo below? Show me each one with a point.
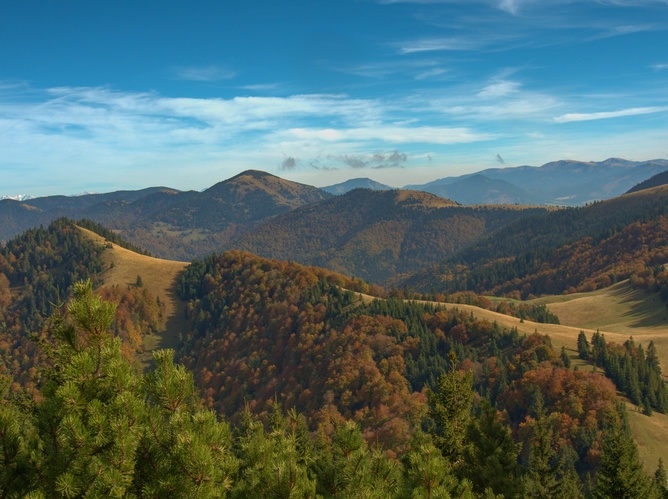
(564, 251)
(656, 181)
(101, 429)
(37, 271)
(19, 216)
(264, 331)
(377, 235)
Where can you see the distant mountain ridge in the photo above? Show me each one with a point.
(565, 182)
(480, 189)
(356, 183)
(182, 225)
(170, 223)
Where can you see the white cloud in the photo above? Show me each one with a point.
(623, 30)
(502, 88)
(395, 134)
(430, 73)
(515, 7)
(441, 44)
(567, 118)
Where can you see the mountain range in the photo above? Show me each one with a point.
(564, 183)
(373, 232)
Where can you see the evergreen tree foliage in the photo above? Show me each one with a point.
(621, 474)
(186, 451)
(661, 480)
(17, 439)
(90, 420)
(490, 459)
(584, 349)
(272, 463)
(635, 374)
(565, 358)
(450, 408)
(430, 475)
(346, 467)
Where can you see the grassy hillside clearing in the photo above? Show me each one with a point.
(619, 311)
(158, 276)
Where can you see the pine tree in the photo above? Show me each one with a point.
(429, 475)
(101, 430)
(621, 474)
(17, 438)
(584, 349)
(541, 477)
(565, 358)
(450, 409)
(661, 480)
(90, 420)
(569, 486)
(187, 452)
(272, 464)
(491, 457)
(346, 467)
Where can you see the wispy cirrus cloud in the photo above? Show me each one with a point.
(431, 73)
(501, 88)
(394, 134)
(515, 7)
(623, 30)
(204, 73)
(441, 44)
(570, 117)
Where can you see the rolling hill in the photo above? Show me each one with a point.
(655, 181)
(158, 276)
(377, 235)
(565, 250)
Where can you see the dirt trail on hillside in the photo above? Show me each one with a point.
(159, 276)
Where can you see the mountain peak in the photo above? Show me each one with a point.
(356, 183)
(256, 174)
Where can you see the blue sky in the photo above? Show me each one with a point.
(99, 96)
